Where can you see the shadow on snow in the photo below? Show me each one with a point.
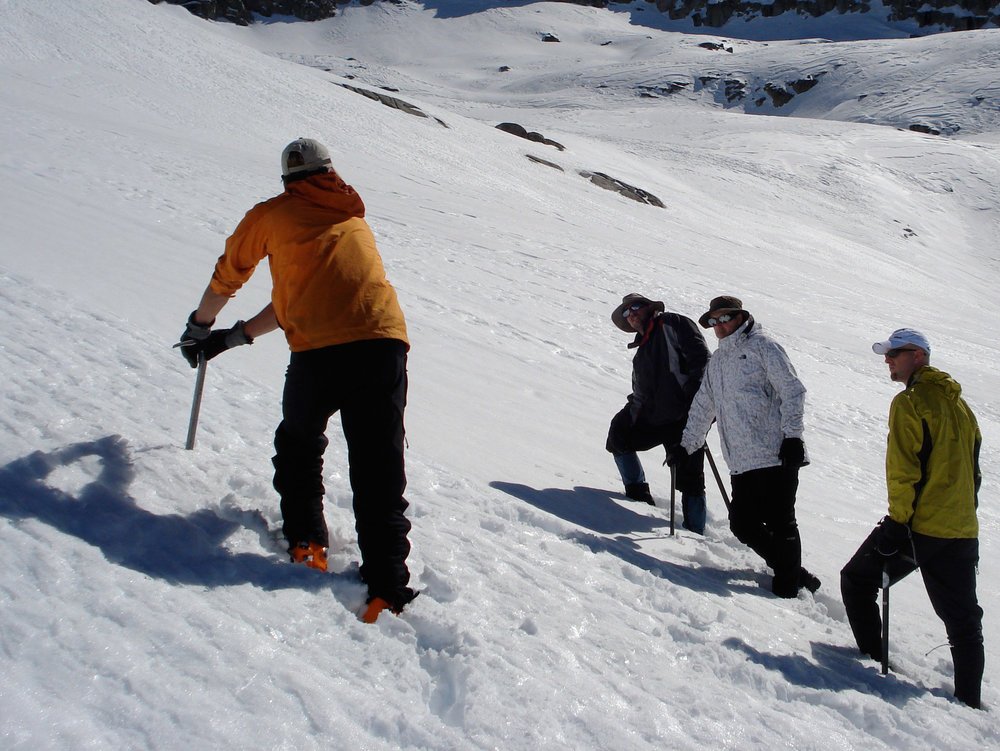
(835, 668)
(177, 549)
(615, 527)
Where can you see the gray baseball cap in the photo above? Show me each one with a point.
(304, 155)
(901, 338)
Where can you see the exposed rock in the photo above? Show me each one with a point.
(716, 46)
(804, 84)
(779, 96)
(242, 12)
(521, 132)
(956, 15)
(664, 89)
(736, 90)
(391, 101)
(629, 191)
(503, 68)
(921, 128)
(546, 162)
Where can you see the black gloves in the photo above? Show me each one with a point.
(892, 538)
(792, 453)
(196, 331)
(199, 339)
(676, 455)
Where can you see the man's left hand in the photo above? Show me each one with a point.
(792, 453)
(891, 537)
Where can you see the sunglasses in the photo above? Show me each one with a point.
(634, 308)
(724, 318)
(898, 351)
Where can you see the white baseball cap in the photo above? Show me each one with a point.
(901, 338)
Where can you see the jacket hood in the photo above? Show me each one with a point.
(932, 376)
(330, 192)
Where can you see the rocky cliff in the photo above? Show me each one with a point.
(242, 11)
(958, 15)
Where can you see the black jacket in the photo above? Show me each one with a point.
(667, 368)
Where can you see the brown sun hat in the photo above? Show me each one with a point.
(618, 317)
(720, 305)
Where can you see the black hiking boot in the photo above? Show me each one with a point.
(639, 491)
(808, 580)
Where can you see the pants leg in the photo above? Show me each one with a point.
(630, 468)
(372, 419)
(695, 513)
(620, 444)
(948, 568)
(626, 438)
(762, 516)
(787, 544)
(860, 582)
(299, 444)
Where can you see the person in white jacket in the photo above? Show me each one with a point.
(752, 390)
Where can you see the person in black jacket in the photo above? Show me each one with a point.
(670, 358)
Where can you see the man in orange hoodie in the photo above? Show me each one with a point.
(348, 347)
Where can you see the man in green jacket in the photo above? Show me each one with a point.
(933, 479)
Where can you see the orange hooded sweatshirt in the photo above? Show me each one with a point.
(328, 281)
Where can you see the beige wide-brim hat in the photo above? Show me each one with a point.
(720, 305)
(618, 317)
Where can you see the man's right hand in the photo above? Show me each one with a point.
(194, 334)
(215, 343)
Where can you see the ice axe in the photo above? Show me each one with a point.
(199, 387)
(885, 619)
(718, 477)
(673, 497)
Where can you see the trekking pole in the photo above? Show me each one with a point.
(673, 497)
(718, 478)
(885, 619)
(199, 387)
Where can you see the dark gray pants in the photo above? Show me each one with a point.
(948, 568)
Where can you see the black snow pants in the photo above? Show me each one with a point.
(366, 382)
(627, 437)
(762, 516)
(948, 568)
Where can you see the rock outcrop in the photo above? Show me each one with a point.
(242, 12)
(956, 15)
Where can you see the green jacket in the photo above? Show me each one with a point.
(932, 461)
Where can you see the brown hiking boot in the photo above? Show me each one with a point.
(311, 554)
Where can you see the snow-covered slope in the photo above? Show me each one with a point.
(146, 603)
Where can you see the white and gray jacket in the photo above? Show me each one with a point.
(751, 388)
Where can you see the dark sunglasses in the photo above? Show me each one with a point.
(724, 318)
(634, 308)
(898, 351)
